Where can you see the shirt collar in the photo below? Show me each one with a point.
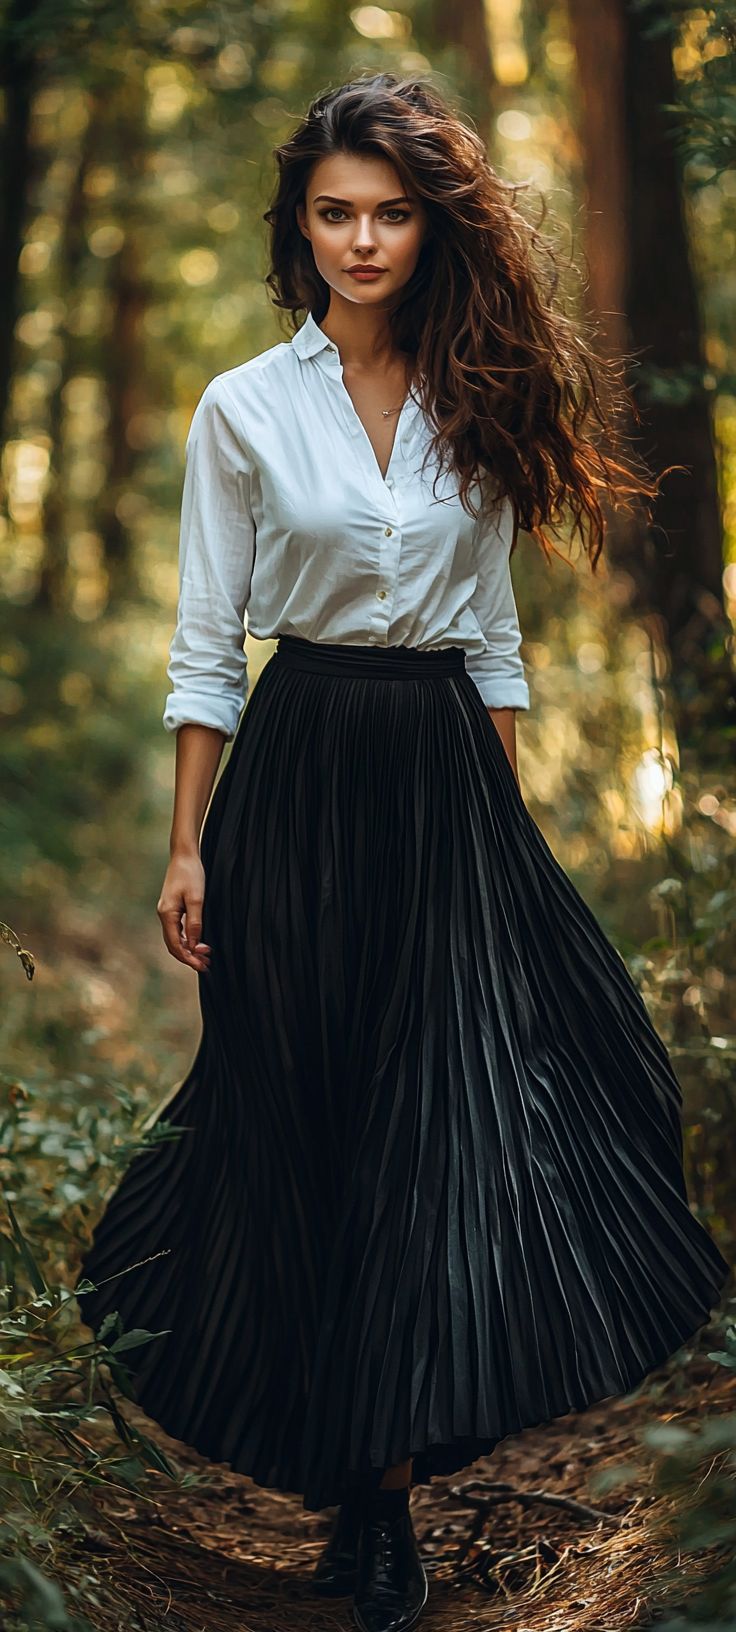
(309, 339)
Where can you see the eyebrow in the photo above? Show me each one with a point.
(348, 203)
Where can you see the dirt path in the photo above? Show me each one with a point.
(216, 1554)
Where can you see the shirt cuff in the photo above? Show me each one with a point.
(500, 691)
(196, 708)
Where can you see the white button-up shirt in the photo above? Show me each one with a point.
(287, 518)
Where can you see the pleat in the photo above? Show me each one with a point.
(432, 1191)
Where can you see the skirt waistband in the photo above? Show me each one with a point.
(369, 662)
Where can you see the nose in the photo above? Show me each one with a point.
(364, 242)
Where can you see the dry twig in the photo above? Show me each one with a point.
(494, 1494)
(27, 959)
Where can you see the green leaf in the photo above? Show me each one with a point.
(154, 1455)
(707, 1532)
(122, 1428)
(723, 1359)
(718, 1434)
(663, 1436)
(34, 1274)
(130, 1469)
(111, 1323)
(42, 1599)
(134, 1340)
(614, 1477)
(122, 1380)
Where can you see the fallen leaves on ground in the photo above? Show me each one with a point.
(217, 1554)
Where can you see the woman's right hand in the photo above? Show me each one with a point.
(180, 911)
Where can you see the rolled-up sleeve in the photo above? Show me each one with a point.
(217, 548)
(498, 672)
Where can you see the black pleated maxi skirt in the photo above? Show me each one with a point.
(432, 1190)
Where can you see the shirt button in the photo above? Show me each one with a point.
(389, 531)
(332, 350)
(381, 595)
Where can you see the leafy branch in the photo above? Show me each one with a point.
(61, 1428)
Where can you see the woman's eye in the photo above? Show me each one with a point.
(396, 215)
(334, 215)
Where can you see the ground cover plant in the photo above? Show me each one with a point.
(62, 1432)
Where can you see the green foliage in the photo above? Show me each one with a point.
(686, 975)
(62, 1429)
(63, 1143)
(703, 125)
(695, 1472)
(54, 26)
(38, 1601)
(72, 747)
(727, 1355)
(706, 111)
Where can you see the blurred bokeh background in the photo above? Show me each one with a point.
(136, 158)
(136, 154)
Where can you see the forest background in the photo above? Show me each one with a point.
(136, 166)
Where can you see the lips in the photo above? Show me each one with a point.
(365, 274)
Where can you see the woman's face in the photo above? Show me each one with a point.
(365, 230)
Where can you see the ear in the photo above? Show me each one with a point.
(301, 217)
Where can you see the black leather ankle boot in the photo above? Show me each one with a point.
(391, 1589)
(337, 1567)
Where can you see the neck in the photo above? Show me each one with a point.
(361, 333)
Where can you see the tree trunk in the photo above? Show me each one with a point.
(125, 369)
(17, 77)
(71, 257)
(600, 41)
(642, 293)
(124, 382)
(664, 320)
(463, 23)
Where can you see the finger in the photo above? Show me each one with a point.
(200, 948)
(193, 960)
(170, 925)
(172, 933)
(192, 923)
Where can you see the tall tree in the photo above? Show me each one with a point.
(643, 294)
(463, 23)
(130, 293)
(18, 70)
(71, 257)
(38, 39)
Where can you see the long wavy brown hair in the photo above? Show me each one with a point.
(512, 390)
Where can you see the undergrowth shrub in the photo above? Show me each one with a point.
(63, 1144)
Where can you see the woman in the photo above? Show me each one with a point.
(430, 1190)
